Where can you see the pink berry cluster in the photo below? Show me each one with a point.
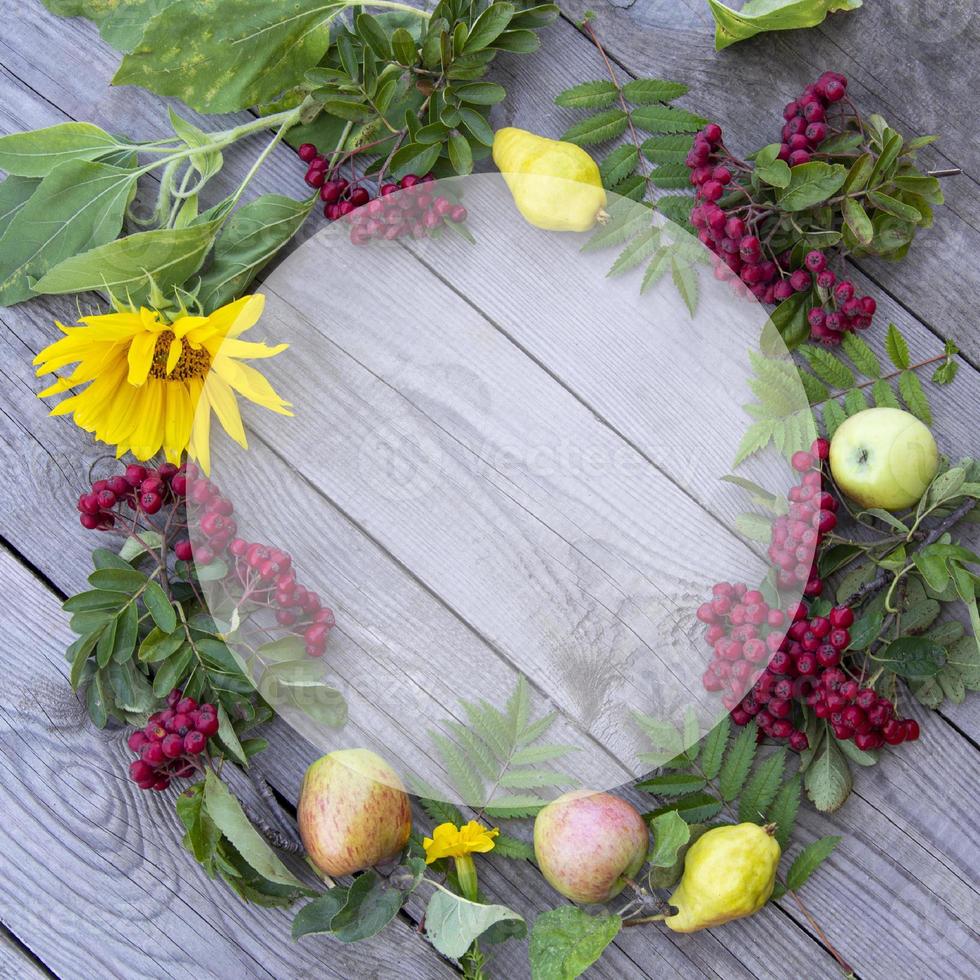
(265, 574)
(170, 742)
(139, 489)
(416, 213)
(812, 513)
(751, 662)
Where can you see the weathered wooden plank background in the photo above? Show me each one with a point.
(93, 879)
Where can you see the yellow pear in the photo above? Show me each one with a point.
(556, 185)
(729, 873)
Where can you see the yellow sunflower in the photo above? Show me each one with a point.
(145, 378)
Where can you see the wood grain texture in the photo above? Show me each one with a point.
(81, 844)
(904, 59)
(920, 857)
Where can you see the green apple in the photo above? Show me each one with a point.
(883, 457)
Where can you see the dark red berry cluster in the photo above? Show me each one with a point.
(805, 126)
(837, 308)
(796, 535)
(264, 574)
(417, 212)
(139, 489)
(261, 576)
(170, 742)
(856, 712)
(738, 228)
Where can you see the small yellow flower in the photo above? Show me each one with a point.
(142, 380)
(448, 840)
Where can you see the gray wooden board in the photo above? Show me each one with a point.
(918, 851)
(95, 881)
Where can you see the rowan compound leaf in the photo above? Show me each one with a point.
(897, 348)
(808, 860)
(588, 95)
(738, 762)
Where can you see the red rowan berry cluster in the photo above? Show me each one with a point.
(742, 226)
(768, 660)
(416, 213)
(171, 741)
(259, 575)
(139, 489)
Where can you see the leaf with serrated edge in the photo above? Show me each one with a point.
(737, 763)
(808, 860)
(897, 348)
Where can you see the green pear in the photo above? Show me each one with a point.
(587, 844)
(353, 812)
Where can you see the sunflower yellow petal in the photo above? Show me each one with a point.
(140, 357)
(173, 354)
(222, 400)
(199, 447)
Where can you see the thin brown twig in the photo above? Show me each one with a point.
(828, 945)
(886, 377)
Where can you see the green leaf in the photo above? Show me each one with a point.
(670, 833)
(713, 750)
(666, 119)
(667, 149)
(78, 206)
(685, 278)
(477, 125)
(460, 154)
(828, 779)
(914, 396)
(893, 206)
(618, 165)
(83, 648)
(588, 95)
(127, 631)
(517, 42)
(761, 788)
(127, 266)
(171, 672)
(38, 152)
(694, 808)
(644, 91)
(636, 252)
(219, 63)
(671, 176)
(513, 848)
(566, 941)
(855, 401)
(15, 192)
(97, 700)
(159, 607)
(833, 417)
(96, 600)
(316, 916)
(481, 93)
(103, 649)
(371, 904)
(856, 218)
(158, 646)
(897, 348)
(783, 810)
(672, 784)
(738, 762)
(230, 819)
(404, 47)
(599, 128)
(811, 184)
(452, 923)
(789, 318)
(827, 367)
(861, 354)
(758, 16)
(250, 239)
(126, 579)
(913, 657)
(808, 860)
(488, 26)
(415, 157)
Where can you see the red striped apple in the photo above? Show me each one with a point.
(353, 812)
(587, 845)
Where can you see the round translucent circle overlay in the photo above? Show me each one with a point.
(506, 465)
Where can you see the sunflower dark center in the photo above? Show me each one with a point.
(191, 363)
